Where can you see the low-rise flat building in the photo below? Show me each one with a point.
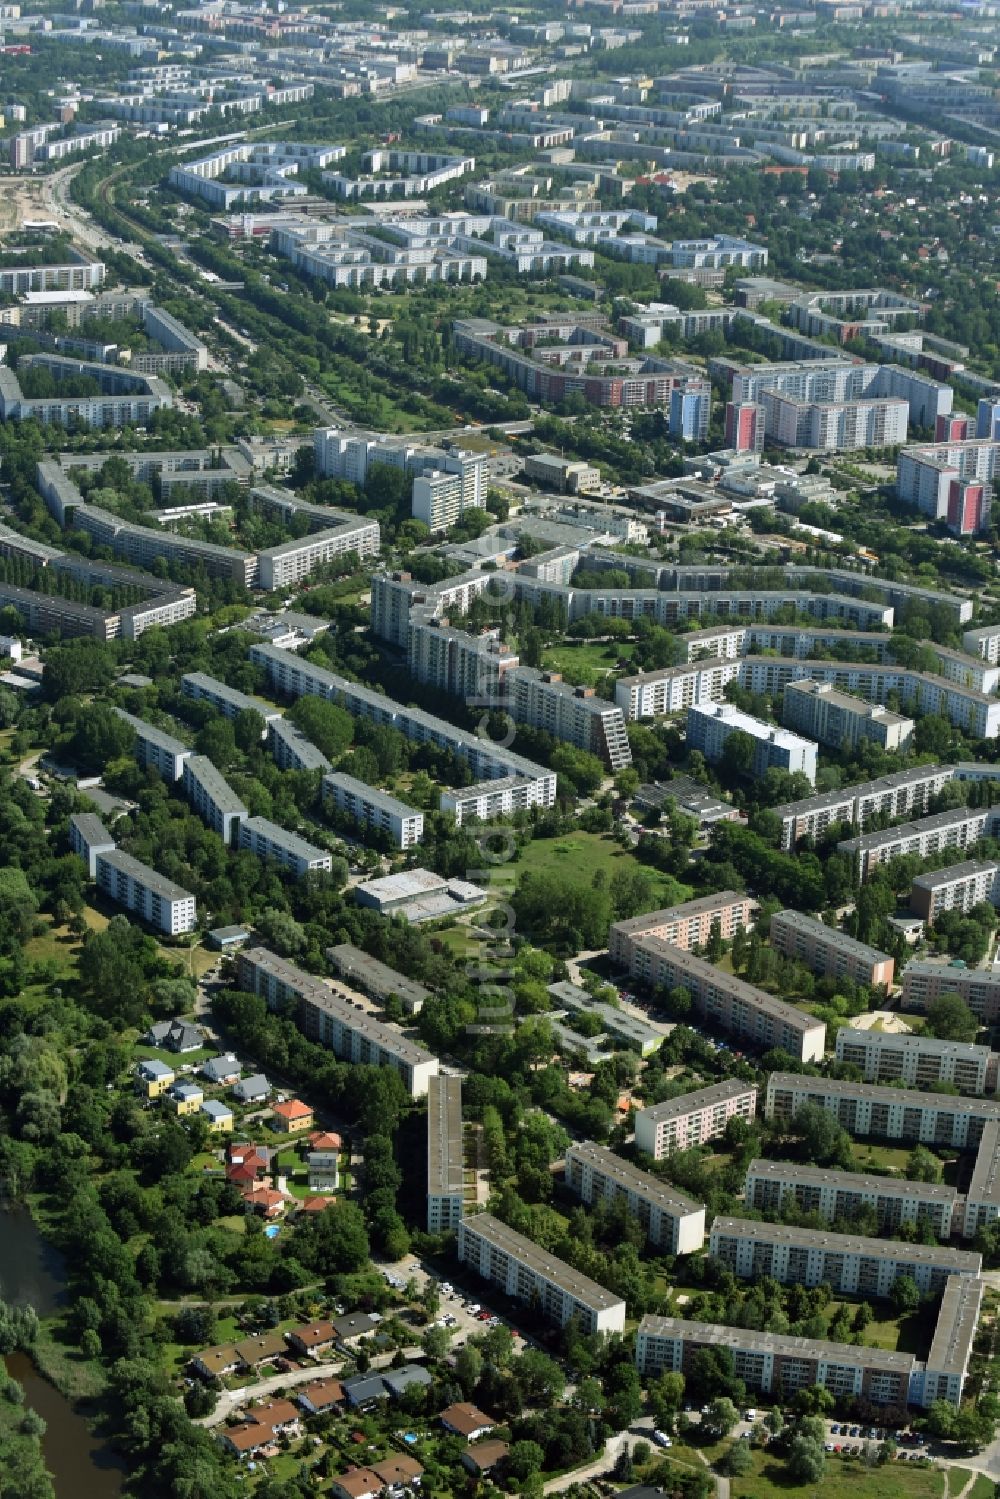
(710, 725)
(372, 808)
(693, 1118)
(269, 841)
(528, 1274)
(919, 1061)
(727, 1002)
(869, 1109)
(445, 1154)
(960, 827)
(925, 981)
(685, 926)
(155, 748)
(212, 797)
(291, 749)
(901, 794)
(673, 1223)
(959, 887)
(836, 718)
(159, 901)
(332, 1020)
(849, 1265)
(842, 1195)
(362, 971)
(88, 837)
(828, 951)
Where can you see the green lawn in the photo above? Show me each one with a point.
(584, 664)
(842, 1480)
(177, 1059)
(904, 1335)
(881, 1157)
(581, 855)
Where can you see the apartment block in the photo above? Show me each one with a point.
(724, 1001)
(919, 1061)
(225, 700)
(543, 700)
(156, 900)
(674, 689)
(843, 1195)
(155, 748)
(685, 926)
(870, 1109)
(901, 794)
(928, 692)
(530, 1275)
(288, 563)
(88, 837)
(268, 840)
(959, 887)
(359, 969)
(291, 749)
(827, 951)
(293, 676)
(326, 1016)
(445, 1154)
(772, 1362)
(673, 1223)
(710, 725)
(374, 808)
(979, 987)
(849, 1265)
(451, 659)
(835, 718)
(961, 827)
(212, 797)
(144, 545)
(693, 1118)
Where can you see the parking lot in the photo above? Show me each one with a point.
(464, 1310)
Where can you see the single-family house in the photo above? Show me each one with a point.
(254, 1089)
(398, 1471)
(320, 1396)
(292, 1117)
(482, 1457)
(315, 1204)
(215, 1363)
(363, 1390)
(264, 1200)
(263, 1424)
(246, 1440)
(263, 1349)
(153, 1078)
(411, 1376)
(467, 1420)
(222, 1070)
(175, 1035)
(325, 1139)
(324, 1170)
(350, 1329)
(356, 1483)
(279, 1415)
(219, 1116)
(313, 1337)
(185, 1098)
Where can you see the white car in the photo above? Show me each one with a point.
(751, 1414)
(662, 1440)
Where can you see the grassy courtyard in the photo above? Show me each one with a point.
(842, 1480)
(579, 856)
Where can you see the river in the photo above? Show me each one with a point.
(32, 1272)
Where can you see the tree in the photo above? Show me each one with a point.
(248, 729)
(524, 1460)
(666, 1396)
(329, 727)
(905, 1295)
(738, 756)
(738, 1461)
(720, 1418)
(806, 1459)
(950, 1019)
(435, 1342)
(824, 1141)
(922, 1165)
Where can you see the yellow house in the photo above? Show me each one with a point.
(153, 1078)
(219, 1116)
(186, 1098)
